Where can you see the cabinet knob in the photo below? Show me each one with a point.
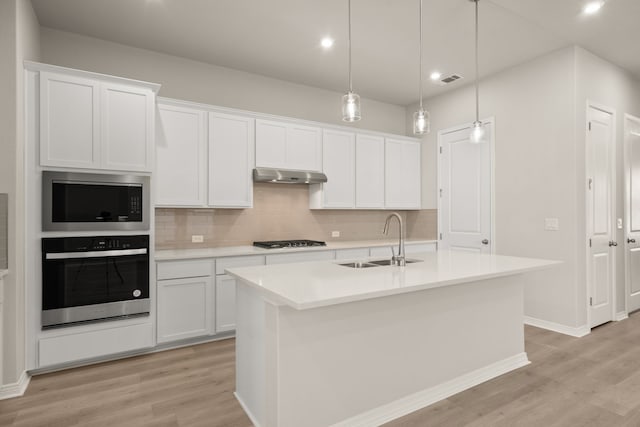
(485, 242)
(631, 240)
(612, 243)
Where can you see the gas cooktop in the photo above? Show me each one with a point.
(277, 244)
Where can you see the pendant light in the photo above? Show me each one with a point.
(350, 101)
(477, 130)
(421, 118)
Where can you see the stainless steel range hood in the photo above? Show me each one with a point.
(288, 176)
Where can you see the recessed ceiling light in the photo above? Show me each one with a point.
(592, 7)
(327, 42)
(435, 75)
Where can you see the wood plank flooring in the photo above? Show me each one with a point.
(590, 381)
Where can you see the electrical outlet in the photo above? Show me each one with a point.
(197, 238)
(335, 234)
(551, 224)
(619, 223)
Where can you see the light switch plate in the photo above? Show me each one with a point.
(551, 224)
(335, 234)
(197, 239)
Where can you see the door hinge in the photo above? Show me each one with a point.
(590, 183)
(589, 242)
(440, 150)
(441, 192)
(440, 236)
(589, 125)
(591, 301)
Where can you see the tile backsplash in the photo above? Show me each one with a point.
(280, 211)
(4, 238)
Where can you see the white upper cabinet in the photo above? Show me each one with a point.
(402, 174)
(338, 163)
(127, 127)
(181, 156)
(288, 146)
(94, 123)
(231, 148)
(370, 172)
(69, 121)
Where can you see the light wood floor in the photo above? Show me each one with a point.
(590, 381)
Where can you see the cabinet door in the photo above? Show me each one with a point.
(181, 162)
(127, 123)
(271, 144)
(185, 307)
(402, 174)
(369, 172)
(231, 140)
(225, 303)
(338, 151)
(69, 118)
(304, 148)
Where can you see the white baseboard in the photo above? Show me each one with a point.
(573, 331)
(621, 315)
(15, 389)
(421, 399)
(253, 419)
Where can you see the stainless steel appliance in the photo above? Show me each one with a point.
(94, 202)
(94, 278)
(277, 244)
(288, 176)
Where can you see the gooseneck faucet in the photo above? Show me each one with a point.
(399, 259)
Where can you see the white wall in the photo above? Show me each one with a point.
(601, 82)
(540, 108)
(19, 40)
(196, 81)
(533, 106)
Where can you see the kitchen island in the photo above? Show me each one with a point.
(320, 344)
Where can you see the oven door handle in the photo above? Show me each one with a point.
(96, 254)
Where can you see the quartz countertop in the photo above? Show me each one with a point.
(323, 283)
(176, 254)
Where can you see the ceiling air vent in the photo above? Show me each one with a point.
(450, 79)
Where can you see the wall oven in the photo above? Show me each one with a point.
(86, 201)
(94, 278)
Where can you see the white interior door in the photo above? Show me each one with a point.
(465, 190)
(632, 210)
(600, 201)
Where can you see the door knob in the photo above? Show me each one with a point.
(631, 240)
(485, 242)
(612, 243)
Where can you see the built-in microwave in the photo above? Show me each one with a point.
(94, 202)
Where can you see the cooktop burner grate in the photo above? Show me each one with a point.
(277, 244)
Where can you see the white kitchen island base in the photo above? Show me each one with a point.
(367, 362)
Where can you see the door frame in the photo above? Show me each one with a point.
(491, 120)
(627, 219)
(612, 212)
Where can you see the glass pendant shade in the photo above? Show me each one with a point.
(421, 122)
(351, 107)
(477, 132)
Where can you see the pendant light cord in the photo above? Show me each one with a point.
(350, 84)
(420, 55)
(477, 67)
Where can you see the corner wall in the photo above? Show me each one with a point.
(19, 41)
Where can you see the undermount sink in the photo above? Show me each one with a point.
(359, 264)
(388, 261)
(376, 263)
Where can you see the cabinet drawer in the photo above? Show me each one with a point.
(88, 345)
(181, 269)
(240, 261)
(300, 257)
(358, 253)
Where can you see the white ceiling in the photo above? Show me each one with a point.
(280, 38)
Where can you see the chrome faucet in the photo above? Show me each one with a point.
(399, 259)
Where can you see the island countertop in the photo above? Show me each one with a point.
(323, 283)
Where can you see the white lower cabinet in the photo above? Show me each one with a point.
(225, 303)
(184, 308)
